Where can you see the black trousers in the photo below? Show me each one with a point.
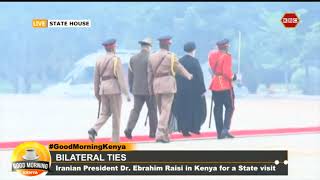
(223, 98)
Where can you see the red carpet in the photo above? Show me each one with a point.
(178, 136)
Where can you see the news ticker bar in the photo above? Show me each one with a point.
(169, 163)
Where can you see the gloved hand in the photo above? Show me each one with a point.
(239, 77)
(239, 80)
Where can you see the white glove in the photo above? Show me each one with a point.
(239, 77)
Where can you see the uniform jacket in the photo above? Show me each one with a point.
(221, 66)
(114, 85)
(138, 73)
(170, 65)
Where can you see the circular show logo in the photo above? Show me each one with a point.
(31, 159)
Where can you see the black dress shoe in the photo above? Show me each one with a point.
(228, 135)
(92, 134)
(222, 135)
(163, 140)
(152, 136)
(186, 134)
(127, 133)
(196, 132)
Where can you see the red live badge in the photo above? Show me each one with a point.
(290, 20)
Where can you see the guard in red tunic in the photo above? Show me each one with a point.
(220, 62)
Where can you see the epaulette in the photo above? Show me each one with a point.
(172, 54)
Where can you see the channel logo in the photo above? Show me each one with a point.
(58, 23)
(31, 159)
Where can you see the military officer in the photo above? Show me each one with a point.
(220, 62)
(162, 67)
(109, 83)
(138, 83)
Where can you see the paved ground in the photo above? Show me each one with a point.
(45, 117)
(37, 117)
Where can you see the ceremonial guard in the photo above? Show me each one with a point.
(109, 83)
(162, 67)
(138, 83)
(220, 62)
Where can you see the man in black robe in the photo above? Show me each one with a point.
(189, 104)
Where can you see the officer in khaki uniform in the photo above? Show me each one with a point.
(162, 67)
(138, 83)
(108, 84)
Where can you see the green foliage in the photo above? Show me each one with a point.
(310, 83)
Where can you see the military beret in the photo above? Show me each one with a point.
(189, 46)
(223, 42)
(109, 42)
(165, 39)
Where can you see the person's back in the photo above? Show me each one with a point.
(221, 86)
(162, 68)
(139, 66)
(183, 84)
(138, 82)
(188, 106)
(108, 85)
(163, 72)
(220, 63)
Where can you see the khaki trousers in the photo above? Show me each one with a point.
(164, 102)
(110, 105)
(135, 112)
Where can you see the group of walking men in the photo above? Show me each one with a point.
(160, 80)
